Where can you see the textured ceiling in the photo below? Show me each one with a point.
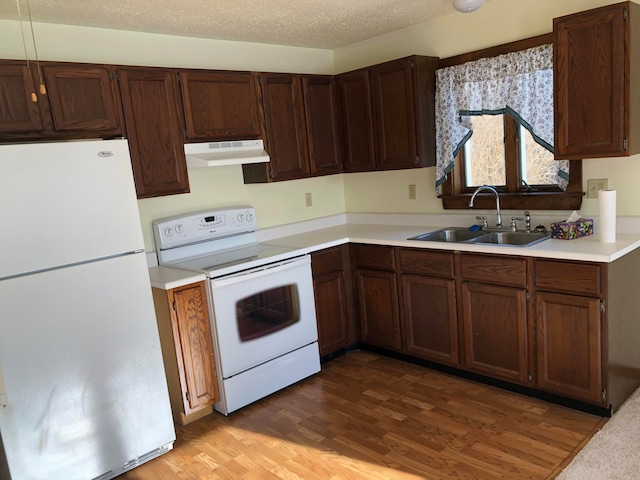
(305, 23)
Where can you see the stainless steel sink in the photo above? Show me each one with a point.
(484, 237)
(519, 239)
(451, 234)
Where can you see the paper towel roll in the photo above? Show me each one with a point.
(607, 215)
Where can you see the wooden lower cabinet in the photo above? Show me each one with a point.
(332, 298)
(185, 336)
(495, 331)
(569, 345)
(429, 313)
(377, 296)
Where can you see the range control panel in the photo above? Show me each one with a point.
(203, 225)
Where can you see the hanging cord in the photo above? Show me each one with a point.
(34, 97)
(43, 89)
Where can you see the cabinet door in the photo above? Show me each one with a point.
(331, 312)
(378, 308)
(322, 122)
(19, 113)
(357, 121)
(284, 117)
(430, 318)
(192, 336)
(82, 98)
(495, 331)
(591, 76)
(220, 105)
(150, 100)
(393, 113)
(569, 346)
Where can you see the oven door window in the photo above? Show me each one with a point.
(267, 312)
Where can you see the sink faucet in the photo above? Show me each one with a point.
(495, 192)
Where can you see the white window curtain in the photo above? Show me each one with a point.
(518, 83)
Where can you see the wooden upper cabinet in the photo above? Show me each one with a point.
(595, 82)
(388, 112)
(394, 121)
(80, 101)
(357, 122)
(19, 113)
(322, 124)
(150, 98)
(284, 116)
(219, 105)
(83, 98)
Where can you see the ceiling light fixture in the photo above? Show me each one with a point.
(467, 6)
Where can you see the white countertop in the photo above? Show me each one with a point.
(586, 248)
(166, 278)
(310, 236)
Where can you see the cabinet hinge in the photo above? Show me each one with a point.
(417, 160)
(527, 296)
(186, 394)
(178, 76)
(116, 76)
(173, 305)
(601, 306)
(625, 14)
(529, 377)
(624, 143)
(603, 395)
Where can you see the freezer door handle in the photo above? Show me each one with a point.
(3, 392)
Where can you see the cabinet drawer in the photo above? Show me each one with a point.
(439, 264)
(376, 257)
(570, 277)
(494, 269)
(325, 261)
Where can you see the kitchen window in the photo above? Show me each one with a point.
(494, 111)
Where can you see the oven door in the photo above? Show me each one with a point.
(262, 313)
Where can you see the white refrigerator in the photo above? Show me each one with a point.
(83, 393)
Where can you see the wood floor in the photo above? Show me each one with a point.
(366, 416)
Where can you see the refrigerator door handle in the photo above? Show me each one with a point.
(3, 392)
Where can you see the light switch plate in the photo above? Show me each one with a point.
(595, 184)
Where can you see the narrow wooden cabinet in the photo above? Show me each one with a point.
(331, 285)
(20, 112)
(596, 83)
(399, 112)
(569, 329)
(185, 334)
(429, 312)
(377, 296)
(494, 314)
(219, 105)
(322, 124)
(80, 101)
(286, 137)
(153, 118)
(354, 91)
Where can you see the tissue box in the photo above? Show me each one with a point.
(571, 230)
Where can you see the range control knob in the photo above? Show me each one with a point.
(249, 217)
(179, 228)
(241, 217)
(169, 231)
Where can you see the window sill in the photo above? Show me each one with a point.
(516, 201)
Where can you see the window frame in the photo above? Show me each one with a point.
(454, 195)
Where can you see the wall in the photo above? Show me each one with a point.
(497, 22)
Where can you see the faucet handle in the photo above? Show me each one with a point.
(485, 224)
(514, 225)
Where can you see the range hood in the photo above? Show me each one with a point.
(235, 152)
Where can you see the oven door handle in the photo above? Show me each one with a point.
(260, 272)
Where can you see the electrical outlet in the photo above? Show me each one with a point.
(595, 184)
(412, 192)
(307, 199)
